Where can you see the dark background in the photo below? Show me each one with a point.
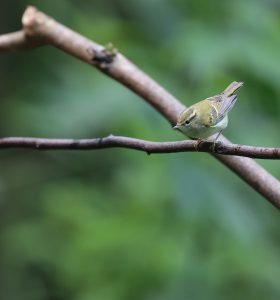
(118, 224)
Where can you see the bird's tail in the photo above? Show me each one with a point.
(234, 86)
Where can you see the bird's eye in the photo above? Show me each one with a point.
(187, 122)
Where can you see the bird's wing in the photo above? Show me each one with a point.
(228, 99)
(225, 101)
(226, 105)
(208, 111)
(221, 105)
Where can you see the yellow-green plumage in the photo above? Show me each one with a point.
(208, 116)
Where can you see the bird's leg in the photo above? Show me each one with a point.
(215, 140)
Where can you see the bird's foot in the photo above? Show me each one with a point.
(196, 145)
(215, 141)
(212, 147)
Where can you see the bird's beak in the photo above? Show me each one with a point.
(176, 127)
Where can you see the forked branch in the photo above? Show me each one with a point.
(39, 29)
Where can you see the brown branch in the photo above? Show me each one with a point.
(18, 40)
(141, 145)
(37, 25)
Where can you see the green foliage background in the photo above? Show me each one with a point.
(117, 224)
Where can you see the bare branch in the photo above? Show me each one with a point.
(37, 25)
(141, 145)
(17, 41)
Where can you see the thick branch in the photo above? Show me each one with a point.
(38, 25)
(141, 145)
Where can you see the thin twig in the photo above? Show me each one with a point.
(141, 145)
(37, 25)
(18, 40)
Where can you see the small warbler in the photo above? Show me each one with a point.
(209, 116)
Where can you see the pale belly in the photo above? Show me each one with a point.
(198, 132)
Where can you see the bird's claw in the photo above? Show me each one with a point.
(196, 145)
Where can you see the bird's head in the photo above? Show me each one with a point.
(185, 118)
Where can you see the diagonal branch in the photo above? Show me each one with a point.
(37, 25)
(149, 147)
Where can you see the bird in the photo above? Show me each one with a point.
(209, 116)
